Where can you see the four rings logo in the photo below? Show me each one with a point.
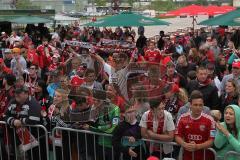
(194, 137)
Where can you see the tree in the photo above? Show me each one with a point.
(202, 2)
(160, 5)
(78, 5)
(130, 2)
(24, 4)
(100, 2)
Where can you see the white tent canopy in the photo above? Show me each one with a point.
(59, 17)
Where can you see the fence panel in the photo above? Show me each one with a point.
(82, 144)
(29, 142)
(230, 154)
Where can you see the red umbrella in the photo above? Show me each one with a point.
(191, 10)
(228, 8)
(213, 10)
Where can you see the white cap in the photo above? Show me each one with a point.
(7, 51)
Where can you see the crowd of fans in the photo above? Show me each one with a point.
(181, 87)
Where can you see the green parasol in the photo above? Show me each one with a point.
(127, 19)
(228, 19)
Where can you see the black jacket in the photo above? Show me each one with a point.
(209, 91)
(125, 130)
(225, 101)
(28, 113)
(184, 70)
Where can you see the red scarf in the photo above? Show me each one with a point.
(150, 123)
(51, 110)
(154, 147)
(205, 83)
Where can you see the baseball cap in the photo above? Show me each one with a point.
(76, 81)
(152, 158)
(7, 51)
(236, 64)
(16, 50)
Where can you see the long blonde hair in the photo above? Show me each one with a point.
(182, 95)
(65, 101)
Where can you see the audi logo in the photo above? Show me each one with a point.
(194, 137)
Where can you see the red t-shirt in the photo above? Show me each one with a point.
(210, 56)
(76, 81)
(6, 70)
(198, 130)
(32, 55)
(153, 56)
(44, 61)
(5, 97)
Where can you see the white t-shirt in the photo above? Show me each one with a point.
(12, 39)
(86, 59)
(168, 122)
(118, 77)
(168, 126)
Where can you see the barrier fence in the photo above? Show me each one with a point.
(28, 142)
(232, 154)
(73, 144)
(71, 139)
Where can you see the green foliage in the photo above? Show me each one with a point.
(100, 2)
(160, 5)
(202, 2)
(25, 4)
(78, 5)
(130, 2)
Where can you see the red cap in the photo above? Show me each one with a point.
(76, 81)
(152, 158)
(236, 64)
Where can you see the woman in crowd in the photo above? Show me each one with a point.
(58, 114)
(193, 56)
(232, 54)
(115, 98)
(230, 95)
(174, 98)
(228, 133)
(221, 67)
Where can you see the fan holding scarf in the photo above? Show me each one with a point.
(157, 124)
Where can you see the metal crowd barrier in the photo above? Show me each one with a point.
(230, 154)
(76, 135)
(72, 149)
(32, 146)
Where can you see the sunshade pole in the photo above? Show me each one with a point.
(193, 22)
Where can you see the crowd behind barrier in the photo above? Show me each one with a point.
(35, 142)
(104, 94)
